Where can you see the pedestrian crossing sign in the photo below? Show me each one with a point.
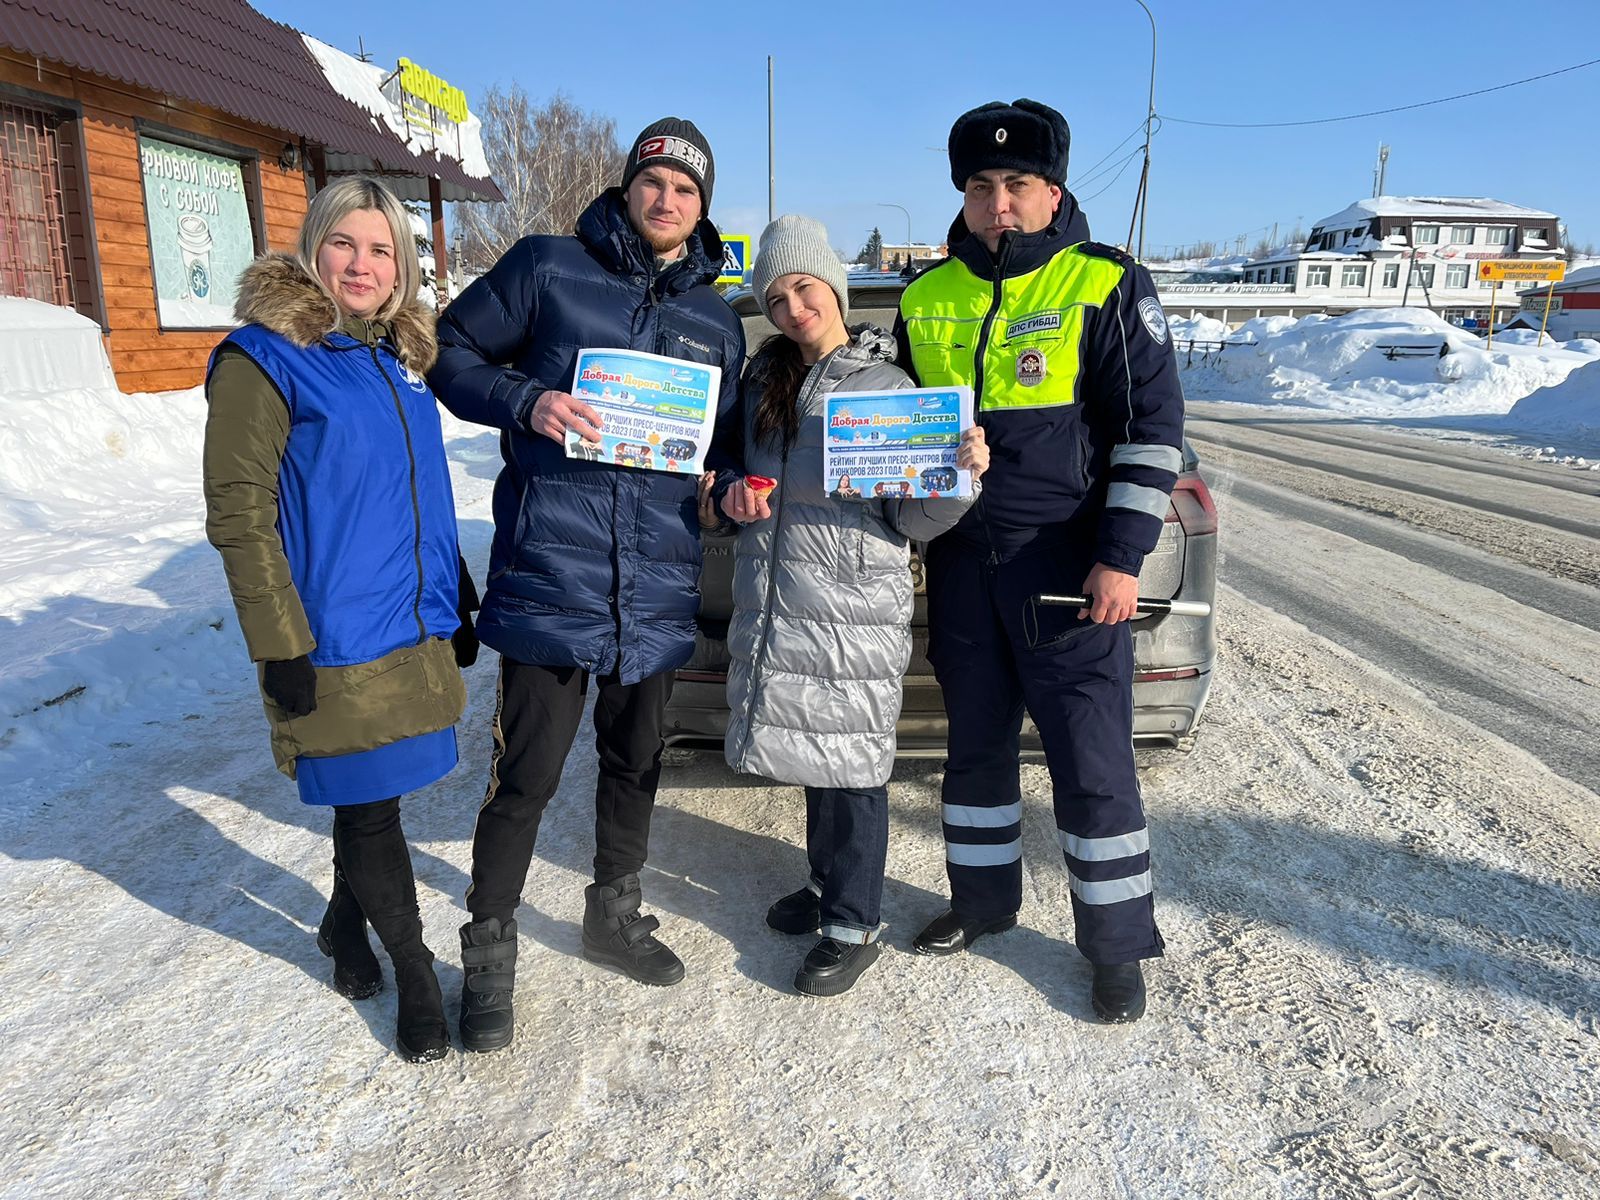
(735, 257)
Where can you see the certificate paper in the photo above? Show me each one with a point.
(896, 444)
(657, 412)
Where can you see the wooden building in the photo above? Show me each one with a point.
(146, 156)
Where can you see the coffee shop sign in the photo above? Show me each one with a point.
(180, 181)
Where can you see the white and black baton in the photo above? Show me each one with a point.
(1145, 604)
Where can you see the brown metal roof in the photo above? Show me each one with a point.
(222, 54)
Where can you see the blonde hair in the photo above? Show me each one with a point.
(337, 201)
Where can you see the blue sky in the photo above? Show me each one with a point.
(866, 94)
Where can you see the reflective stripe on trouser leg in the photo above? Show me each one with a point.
(982, 809)
(1079, 692)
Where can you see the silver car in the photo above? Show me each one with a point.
(1173, 655)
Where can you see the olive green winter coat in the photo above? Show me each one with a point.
(410, 691)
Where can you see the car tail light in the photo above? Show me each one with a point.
(1192, 506)
(1165, 676)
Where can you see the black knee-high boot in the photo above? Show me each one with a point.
(342, 936)
(373, 853)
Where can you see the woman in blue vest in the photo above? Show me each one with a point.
(328, 496)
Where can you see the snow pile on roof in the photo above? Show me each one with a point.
(1339, 364)
(1571, 407)
(1429, 208)
(44, 347)
(362, 84)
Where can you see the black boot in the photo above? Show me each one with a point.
(342, 936)
(615, 935)
(374, 856)
(950, 932)
(798, 912)
(420, 1032)
(488, 974)
(833, 967)
(1118, 992)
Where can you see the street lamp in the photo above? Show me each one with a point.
(1141, 198)
(881, 204)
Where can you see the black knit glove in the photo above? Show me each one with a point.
(291, 684)
(465, 639)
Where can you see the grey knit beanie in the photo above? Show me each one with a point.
(798, 245)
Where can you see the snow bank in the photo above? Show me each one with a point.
(103, 582)
(113, 607)
(1338, 364)
(45, 348)
(1569, 408)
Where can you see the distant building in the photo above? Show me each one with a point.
(918, 253)
(1390, 250)
(1574, 305)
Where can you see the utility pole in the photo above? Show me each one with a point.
(1141, 198)
(901, 207)
(771, 171)
(1381, 170)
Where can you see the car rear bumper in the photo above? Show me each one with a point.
(1165, 712)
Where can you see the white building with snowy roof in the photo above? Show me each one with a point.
(1382, 252)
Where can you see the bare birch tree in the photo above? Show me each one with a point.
(550, 162)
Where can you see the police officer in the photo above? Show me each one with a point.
(1067, 351)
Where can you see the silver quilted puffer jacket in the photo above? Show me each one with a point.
(822, 599)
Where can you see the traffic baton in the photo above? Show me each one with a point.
(1145, 604)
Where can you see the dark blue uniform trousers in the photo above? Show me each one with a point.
(1076, 680)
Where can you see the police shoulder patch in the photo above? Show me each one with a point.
(1101, 250)
(1154, 319)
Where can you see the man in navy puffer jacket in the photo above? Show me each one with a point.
(595, 566)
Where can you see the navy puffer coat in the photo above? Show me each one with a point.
(594, 565)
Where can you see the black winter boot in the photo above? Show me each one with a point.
(615, 935)
(488, 974)
(420, 1032)
(1118, 992)
(798, 912)
(342, 936)
(374, 857)
(833, 967)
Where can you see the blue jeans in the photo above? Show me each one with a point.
(847, 843)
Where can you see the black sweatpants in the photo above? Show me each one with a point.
(536, 719)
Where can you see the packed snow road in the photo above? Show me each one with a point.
(1470, 575)
(1377, 881)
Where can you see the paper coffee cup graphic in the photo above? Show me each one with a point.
(194, 240)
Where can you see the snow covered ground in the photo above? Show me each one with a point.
(1540, 399)
(1381, 919)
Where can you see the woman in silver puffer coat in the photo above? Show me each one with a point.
(822, 595)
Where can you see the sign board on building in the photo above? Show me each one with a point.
(430, 109)
(1537, 303)
(201, 238)
(1519, 268)
(1227, 289)
(735, 257)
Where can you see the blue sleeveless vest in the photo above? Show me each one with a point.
(365, 508)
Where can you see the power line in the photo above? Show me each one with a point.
(1117, 166)
(1114, 178)
(1378, 112)
(1089, 174)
